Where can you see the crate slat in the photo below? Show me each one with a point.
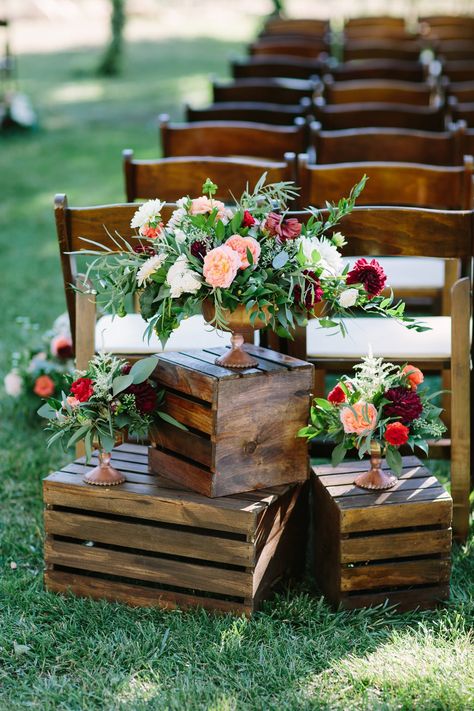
(395, 545)
(401, 573)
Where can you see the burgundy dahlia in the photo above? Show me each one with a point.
(370, 274)
(145, 397)
(284, 229)
(199, 250)
(312, 291)
(404, 404)
(144, 249)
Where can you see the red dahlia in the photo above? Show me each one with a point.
(82, 389)
(145, 397)
(404, 403)
(312, 291)
(369, 274)
(337, 395)
(248, 220)
(396, 434)
(199, 250)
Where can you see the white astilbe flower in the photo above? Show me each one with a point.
(181, 279)
(149, 267)
(329, 258)
(372, 375)
(148, 212)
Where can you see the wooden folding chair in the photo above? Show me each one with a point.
(464, 112)
(309, 27)
(459, 70)
(414, 232)
(277, 66)
(395, 69)
(393, 91)
(290, 47)
(255, 111)
(274, 90)
(381, 48)
(454, 50)
(463, 91)
(374, 23)
(389, 144)
(232, 138)
(336, 117)
(171, 178)
(450, 27)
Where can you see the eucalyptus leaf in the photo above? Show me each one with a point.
(280, 259)
(121, 383)
(46, 411)
(142, 369)
(167, 418)
(79, 434)
(394, 460)
(338, 454)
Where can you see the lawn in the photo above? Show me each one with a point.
(68, 654)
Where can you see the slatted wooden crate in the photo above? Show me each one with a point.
(242, 425)
(393, 545)
(149, 542)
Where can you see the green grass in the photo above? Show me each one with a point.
(68, 654)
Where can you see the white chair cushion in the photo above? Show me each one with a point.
(411, 272)
(386, 337)
(126, 335)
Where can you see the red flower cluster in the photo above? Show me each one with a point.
(337, 395)
(144, 249)
(145, 397)
(313, 292)
(396, 434)
(82, 389)
(284, 229)
(199, 249)
(404, 403)
(370, 274)
(248, 220)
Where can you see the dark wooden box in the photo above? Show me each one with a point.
(393, 545)
(150, 543)
(242, 425)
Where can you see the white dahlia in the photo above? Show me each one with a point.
(149, 267)
(329, 258)
(148, 212)
(181, 279)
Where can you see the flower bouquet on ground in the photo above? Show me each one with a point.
(377, 411)
(110, 397)
(251, 265)
(43, 360)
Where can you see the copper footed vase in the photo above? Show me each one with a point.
(104, 474)
(376, 478)
(239, 323)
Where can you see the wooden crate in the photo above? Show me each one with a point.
(242, 425)
(149, 542)
(371, 547)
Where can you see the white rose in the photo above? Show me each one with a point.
(179, 236)
(348, 298)
(13, 384)
(181, 279)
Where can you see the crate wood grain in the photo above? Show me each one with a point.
(151, 542)
(392, 545)
(241, 425)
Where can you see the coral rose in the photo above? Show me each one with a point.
(204, 205)
(414, 376)
(82, 388)
(240, 245)
(337, 395)
(220, 266)
(396, 434)
(359, 418)
(44, 386)
(61, 347)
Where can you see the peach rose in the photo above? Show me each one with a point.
(220, 266)
(204, 205)
(73, 401)
(359, 418)
(151, 232)
(414, 375)
(240, 245)
(44, 386)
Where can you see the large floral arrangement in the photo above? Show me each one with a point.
(43, 359)
(382, 404)
(253, 254)
(100, 403)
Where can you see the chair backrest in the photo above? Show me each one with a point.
(454, 28)
(232, 138)
(410, 184)
(453, 50)
(374, 21)
(462, 90)
(277, 66)
(378, 90)
(296, 26)
(464, 112)
(311, 48)
(469, 141)
(94, 223)
(397, 69)
(274, 90)
(388, 144)
(459, 70)
(170, 178)
(337, 117)
(408, 50)
(254, 111)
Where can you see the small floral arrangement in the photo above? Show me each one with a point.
(381, 404)
(253, 254)
(40, 365)
(109, 397)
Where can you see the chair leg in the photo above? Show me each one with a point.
(461, 415)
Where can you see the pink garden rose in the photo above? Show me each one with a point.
(73, 401)
(359, 418)
(204, 205)
(220, 266)
(240, 245)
